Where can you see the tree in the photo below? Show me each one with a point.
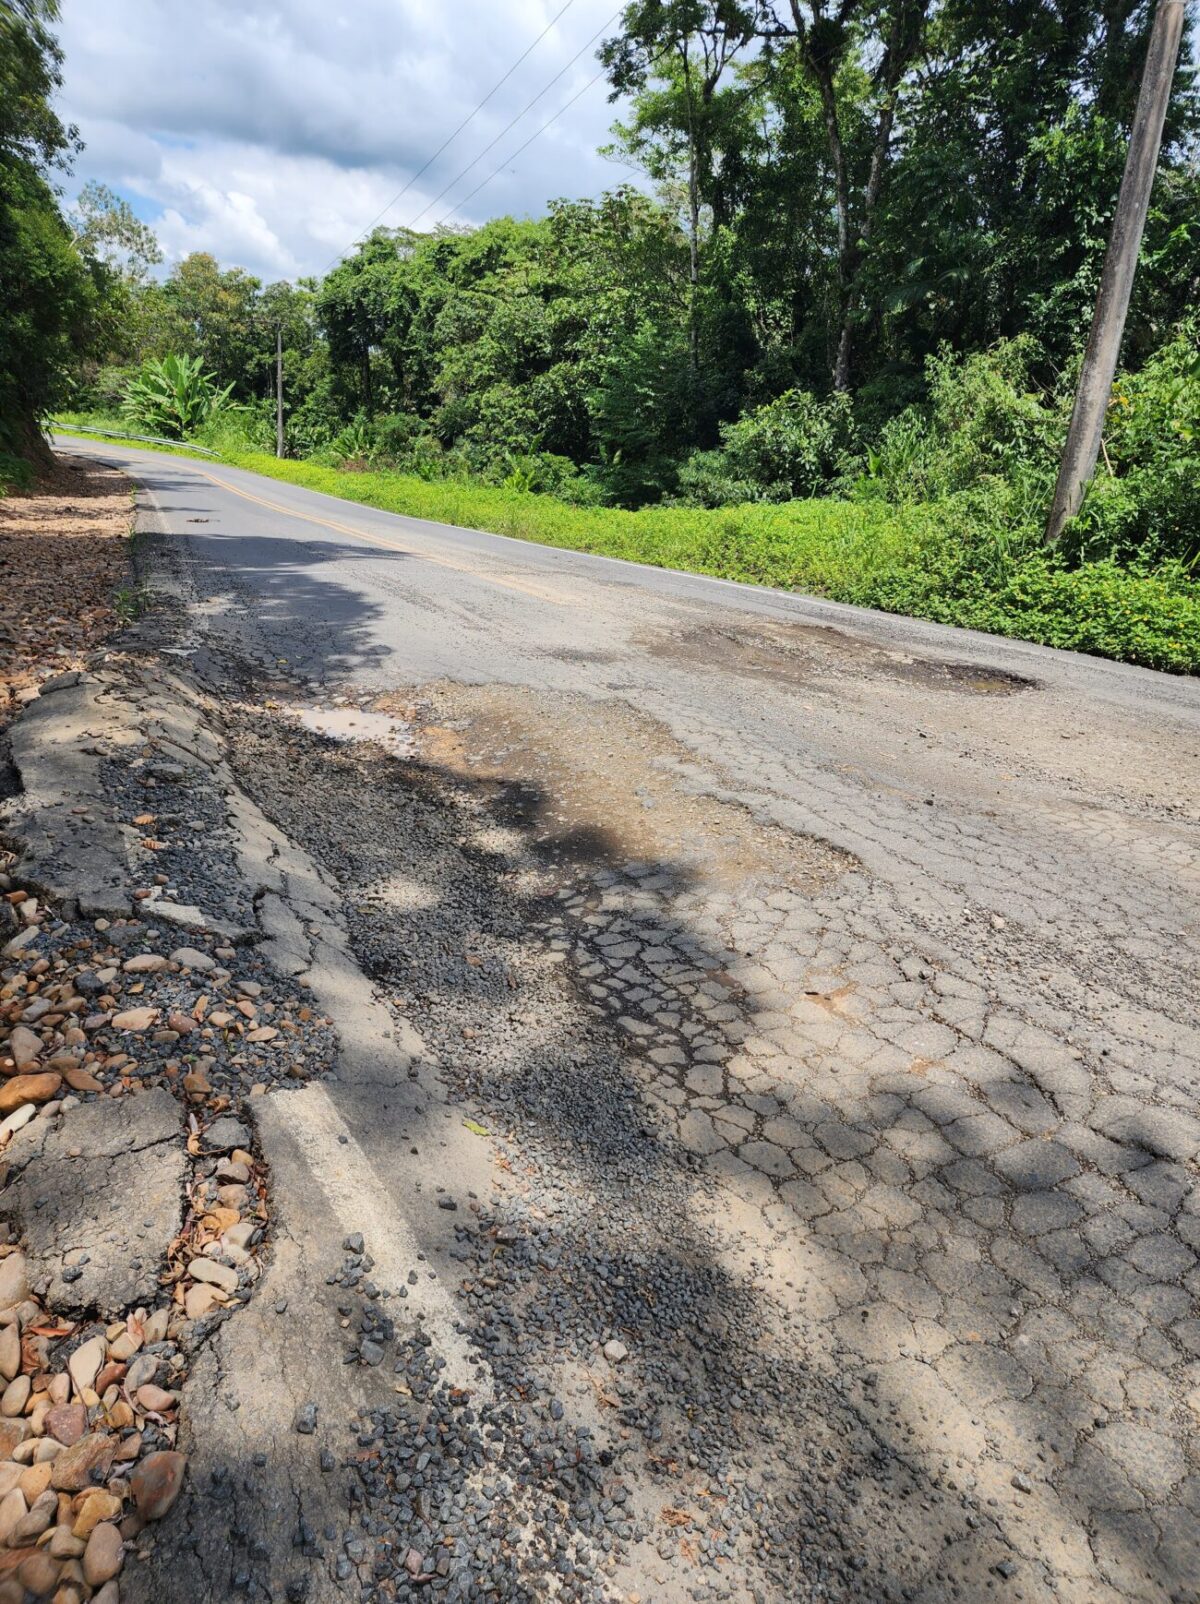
(686, 47)
(108, 230)
(47, 295)
(879, 41)
(215, 314)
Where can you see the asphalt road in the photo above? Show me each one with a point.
(897, 924)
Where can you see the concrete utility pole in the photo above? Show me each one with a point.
(1116, 282)
(279, 389)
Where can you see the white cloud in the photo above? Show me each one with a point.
(272, 135)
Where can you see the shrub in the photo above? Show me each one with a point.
(1144, 502)
(15, 473)
(173, 397)
(794, 446)
(981, 425)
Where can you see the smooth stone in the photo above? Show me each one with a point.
(96, 1507)
(200, 1300)
(156, 1482)
(155, 1399)
(64, 1544)
(28, 1089)
(38, 1573)
(135, 1019)
(34, 1481)
(66, 1423)
(13, 1508)
(16, 1121)
(10, 1352)
(145, 963)
(16, 1396)
(217, 1275)
(25, 1046)
(84, 1364)
(14, 1283)
(192, 958)
(103, 1554)
(12, 1434)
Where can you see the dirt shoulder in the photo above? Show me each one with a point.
(64, 559)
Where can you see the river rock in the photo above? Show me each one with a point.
(66, 1423)
(103, 1554)
(28, 1089)
(25, 1047)
(84, 1364)
(10, 1351)
(135, 1019)
(14, 1281)
(79, 1466)
(217, 1275)
(156, 1482)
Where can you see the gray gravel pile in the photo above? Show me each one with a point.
(461, 1501)
(186, 848)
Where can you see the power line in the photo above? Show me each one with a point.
(522, 148)
(513, 123)
(471, 115)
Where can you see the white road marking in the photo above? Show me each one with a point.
(361, 1202)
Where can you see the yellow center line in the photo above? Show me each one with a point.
(388, 545)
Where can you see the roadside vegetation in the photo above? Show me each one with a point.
(834, 351)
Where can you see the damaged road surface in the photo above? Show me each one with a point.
(718, 1105)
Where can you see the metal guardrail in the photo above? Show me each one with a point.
(139, 439)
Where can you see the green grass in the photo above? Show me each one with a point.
(936, 561)
(88, 423)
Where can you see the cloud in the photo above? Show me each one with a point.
(273, 134)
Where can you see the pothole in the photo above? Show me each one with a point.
(599, 785)
(344, 724)
(804, 654)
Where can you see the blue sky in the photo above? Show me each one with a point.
(273, 134)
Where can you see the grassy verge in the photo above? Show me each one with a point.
(930, 561)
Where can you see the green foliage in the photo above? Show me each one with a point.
(108, 232)
(15, 473)
(47, 295)
(1144, 504)
(984, 430)
(791, 447)
(173, 397)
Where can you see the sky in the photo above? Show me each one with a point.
(274, 133)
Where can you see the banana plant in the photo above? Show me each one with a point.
(174, 397)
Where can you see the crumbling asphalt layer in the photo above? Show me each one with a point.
(714, 1462)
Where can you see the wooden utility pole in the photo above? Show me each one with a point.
(1112, 303)
(279, 389)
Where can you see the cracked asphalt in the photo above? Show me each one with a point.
(824, 985)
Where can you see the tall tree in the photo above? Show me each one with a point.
(108, 230)
(688, 46)
(47, 295)
(880, 40)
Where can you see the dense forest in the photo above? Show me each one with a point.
(854, 257)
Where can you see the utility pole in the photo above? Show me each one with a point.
(1120, 263)
(279, 389)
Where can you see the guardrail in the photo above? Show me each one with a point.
(140, 439)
